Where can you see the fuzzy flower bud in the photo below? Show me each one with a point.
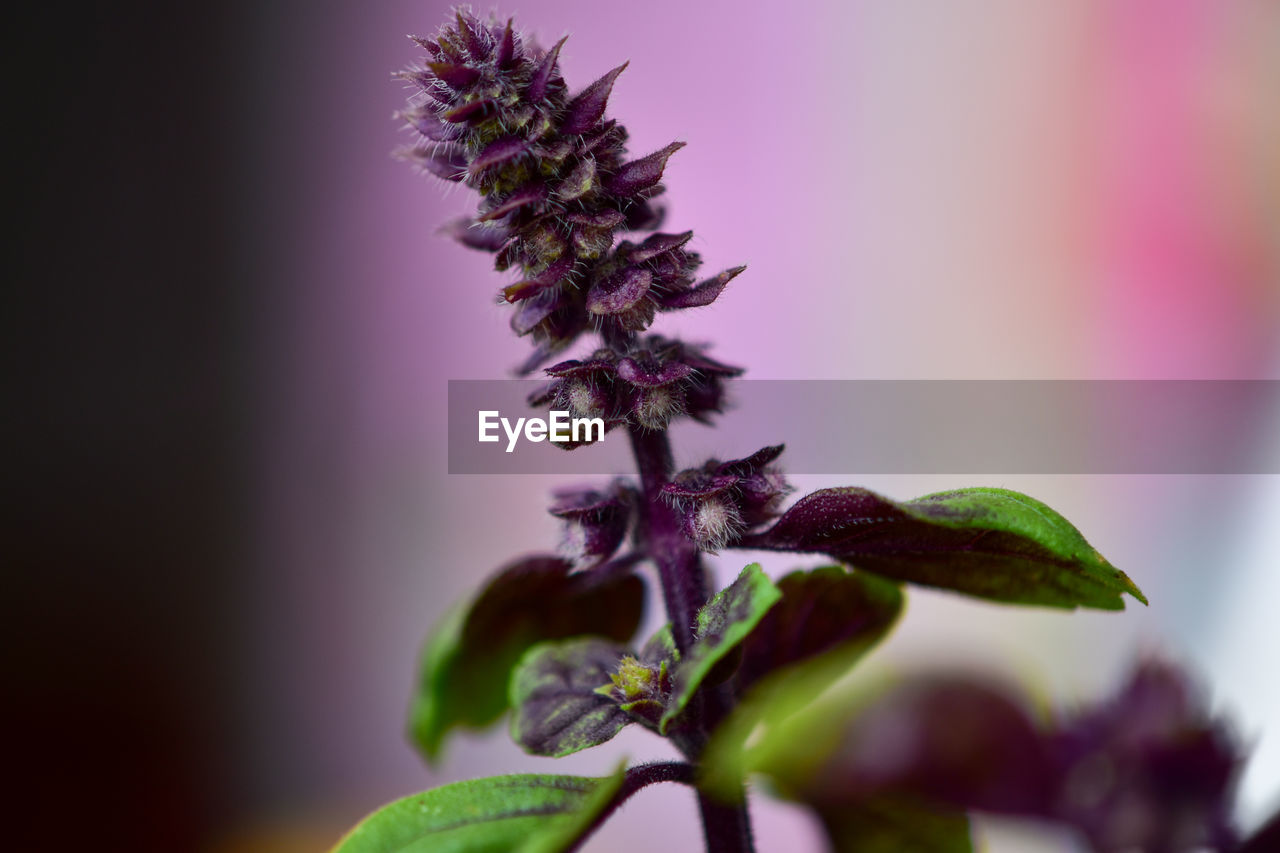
(656, 382)
(595, 522)
(722, 500)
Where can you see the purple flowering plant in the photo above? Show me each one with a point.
(738, 679)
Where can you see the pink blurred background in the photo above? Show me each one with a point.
(249, 400)
(967, 190)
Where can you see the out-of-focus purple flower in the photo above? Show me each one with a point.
(493, 112)
(721, 500)
(595, 522)
(1149, 769)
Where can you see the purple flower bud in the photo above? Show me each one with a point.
(544, 76)
(471, 113)
(704, 293)
(474, 37)
(642, 174)
(722, 500)
(624, 297)
(425, 122)
(506, 56)
(654, 408)
(595, 522)
(580, 181)
(656, 245)
(442, 160)
(455, 76)
(474, 235)
(587, 107)
(529, 194)
(499, 152)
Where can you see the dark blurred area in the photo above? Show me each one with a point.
(127, 349)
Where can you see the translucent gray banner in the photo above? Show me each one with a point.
(914, 427)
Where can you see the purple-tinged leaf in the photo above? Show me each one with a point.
(557, 709)
(468, 232)
(991, 543)
(467, 662)
(944, 740)
(722, 623)
(619, 292)
(1146, 770)
(499, 152)
(472, 113)
(522, 197)
(704, 293)
(821, 612)
(588, 106)
(540, 82)
(455, 76)
(642, 174)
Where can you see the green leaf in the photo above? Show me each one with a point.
(821, 611)
(889, 826)
(526, 813)
(825, 622)
(466, 664)
(991, 543)
(554, 693)
(722, 623)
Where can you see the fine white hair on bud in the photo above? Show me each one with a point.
(583, 400)
(655, 407)
(713, 524)
(573, 544)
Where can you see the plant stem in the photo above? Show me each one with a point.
(640, 776)
(684, 583)
(727, 826)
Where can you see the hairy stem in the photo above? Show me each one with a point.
(640, 776)
(684, 583)
(726, 825)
